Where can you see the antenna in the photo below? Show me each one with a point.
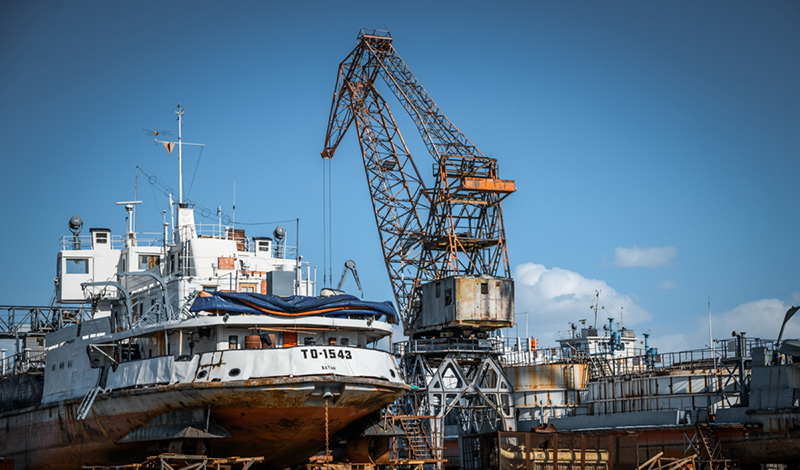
(170, 145)
(710, 335)
(596, 306)
(129, 205)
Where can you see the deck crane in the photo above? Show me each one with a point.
(443, 243)
(453, 227)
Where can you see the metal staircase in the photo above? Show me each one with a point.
(416, 449)
(709, 450)
(418, 444)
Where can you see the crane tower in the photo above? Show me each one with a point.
(443, 240)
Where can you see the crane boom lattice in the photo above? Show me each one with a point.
(451, 227)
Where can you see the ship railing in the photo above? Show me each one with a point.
(517, 357)
(724, 352)
(18, 320)
(445, 345)
(116, 242)
(24, 362)
(243, 243)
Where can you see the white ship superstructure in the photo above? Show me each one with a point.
(198, 338)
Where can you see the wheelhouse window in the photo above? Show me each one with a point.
(148, 261)
(77, 265)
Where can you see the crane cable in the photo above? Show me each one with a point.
(327, 223)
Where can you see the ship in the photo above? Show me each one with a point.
(197, 339)
(605, 395)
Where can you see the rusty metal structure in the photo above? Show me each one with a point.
(171, 461)
(443, 242)
(450, 228)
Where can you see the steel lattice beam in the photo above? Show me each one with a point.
(453, 226)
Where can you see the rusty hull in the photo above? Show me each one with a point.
(282, 419)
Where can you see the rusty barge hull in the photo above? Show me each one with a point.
(282, 419)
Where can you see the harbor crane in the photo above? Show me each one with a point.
(452, 227)
(443, 240)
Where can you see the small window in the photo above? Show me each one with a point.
(202, 374)
(448, 296)
(209, 288)
(438, 289)
(101, 237)
(484, 288)
(148, 261)
(233, 342)
(77, 266)
(235, 372)
(344, 341)
(247, 288)
(309, 341)
(61, 365)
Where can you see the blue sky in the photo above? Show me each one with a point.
(655, 145)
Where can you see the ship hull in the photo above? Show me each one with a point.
(281, 419)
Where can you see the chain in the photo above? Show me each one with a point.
(327, 441)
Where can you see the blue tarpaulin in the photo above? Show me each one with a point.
(340, 306)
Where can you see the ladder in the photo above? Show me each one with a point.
(88, 401)
(710, 450)
(419, 447)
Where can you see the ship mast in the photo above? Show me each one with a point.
(180, 112)
(170, 145)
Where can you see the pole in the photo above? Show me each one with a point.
(179, 112)
(710, 335)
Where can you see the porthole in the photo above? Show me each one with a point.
(234, 372)
(202, 374)
(391, 371)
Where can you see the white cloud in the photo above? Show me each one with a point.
(554, 297)
(759, 318)
(652, 257)
(667, 284)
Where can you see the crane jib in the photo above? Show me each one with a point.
(451, 226)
